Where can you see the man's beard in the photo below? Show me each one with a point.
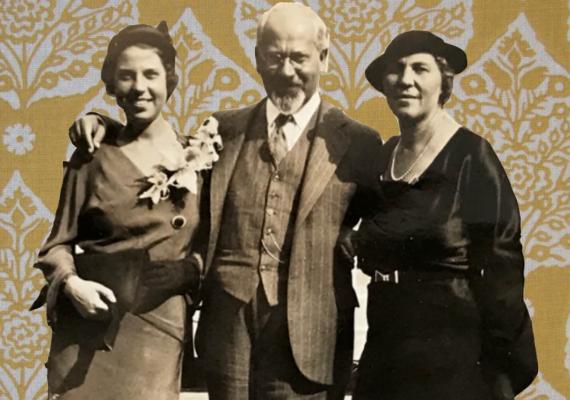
(290, 102)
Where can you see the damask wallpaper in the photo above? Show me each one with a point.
(515, 92)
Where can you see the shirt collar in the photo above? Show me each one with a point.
(301, 117)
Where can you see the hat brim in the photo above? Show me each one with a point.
(456, 58)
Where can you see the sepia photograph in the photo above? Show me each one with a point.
(272, 200)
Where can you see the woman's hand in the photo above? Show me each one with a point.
(90, 299)
(179, 276)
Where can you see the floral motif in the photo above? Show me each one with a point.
(48, 47)
(209, 80)
(226, 79)
(24, 20)
(19, 139)
(181, 172)
(353, 20)
(523, 103)
(473, 84)
(24, 338)
(361, 29)
(527, 178)
(524, 111)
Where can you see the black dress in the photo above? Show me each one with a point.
(456, 316)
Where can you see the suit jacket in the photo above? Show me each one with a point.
(319, 286)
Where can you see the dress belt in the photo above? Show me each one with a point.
(417, 276)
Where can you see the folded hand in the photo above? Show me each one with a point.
(90, 299)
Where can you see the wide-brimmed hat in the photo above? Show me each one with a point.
(412, 42)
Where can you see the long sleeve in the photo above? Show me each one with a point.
(55, 258)
(493, 221)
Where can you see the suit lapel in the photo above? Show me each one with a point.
(233, 136)
(329, 146)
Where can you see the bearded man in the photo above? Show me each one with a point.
(278, 313)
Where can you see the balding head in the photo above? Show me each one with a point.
(292, 15)
(291, 54)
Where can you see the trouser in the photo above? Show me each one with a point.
(248, 355)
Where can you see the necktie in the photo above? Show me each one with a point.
(277, 140)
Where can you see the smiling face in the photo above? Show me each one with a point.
(289, 60)
(412, 86)
(140, 84)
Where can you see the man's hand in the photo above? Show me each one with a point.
(90, 299)
(87, 132)
(346, 242)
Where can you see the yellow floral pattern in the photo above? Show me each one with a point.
(515, 92)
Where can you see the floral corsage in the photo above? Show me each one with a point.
(179, 175)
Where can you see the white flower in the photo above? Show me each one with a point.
(19, 139)
(204, 146)
(187, 178)
(158, 189)
(181, 169)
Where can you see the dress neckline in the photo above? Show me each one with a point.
(435, 145)
(385, 174)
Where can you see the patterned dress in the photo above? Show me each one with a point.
(99, 211)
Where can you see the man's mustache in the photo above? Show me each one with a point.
(286, 85)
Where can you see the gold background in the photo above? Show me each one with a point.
(515, 92)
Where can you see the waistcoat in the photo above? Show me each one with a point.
(259, 215)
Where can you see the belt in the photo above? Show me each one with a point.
(415, 276)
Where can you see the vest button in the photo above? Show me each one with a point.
(178, 222)
(263, 267)
(276, 177)
(270, 211)
(269, 231)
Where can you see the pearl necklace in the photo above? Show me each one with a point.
(411, 167)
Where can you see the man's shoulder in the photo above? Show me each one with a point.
(235, 121)
(349, 125)
(235, 114)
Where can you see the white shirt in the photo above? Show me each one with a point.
(293, 129)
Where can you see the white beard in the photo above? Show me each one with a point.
(289, 103)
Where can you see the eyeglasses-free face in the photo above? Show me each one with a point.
(140, 83)
(412, 85)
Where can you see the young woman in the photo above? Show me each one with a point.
(138, 194)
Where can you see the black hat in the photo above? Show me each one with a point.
(412, 42)
(138, 34)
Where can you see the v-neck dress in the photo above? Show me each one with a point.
(442, 326)
(100, 212)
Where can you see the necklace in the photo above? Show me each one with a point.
(411, 167)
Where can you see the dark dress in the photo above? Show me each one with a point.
(456, 315)
(99, 211)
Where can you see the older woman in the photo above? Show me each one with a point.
(446, 314)
(133, 207)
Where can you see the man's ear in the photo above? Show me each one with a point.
(324, 60)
